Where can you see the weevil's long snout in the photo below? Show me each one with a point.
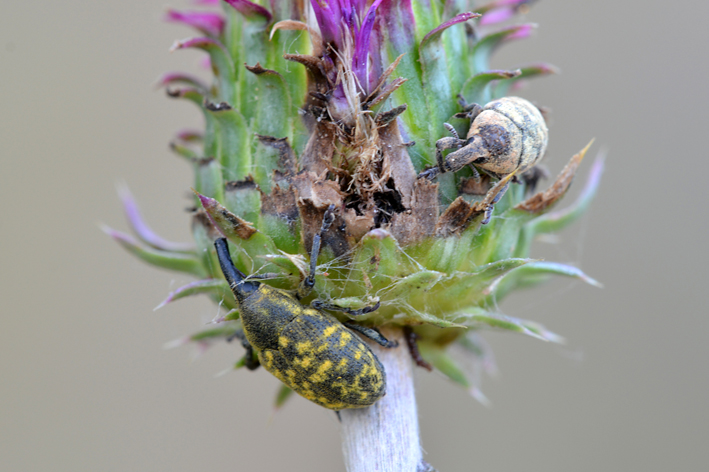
(233, 276)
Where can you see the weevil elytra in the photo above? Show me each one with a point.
(506, 136)
(306, 348)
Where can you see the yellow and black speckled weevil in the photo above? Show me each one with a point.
(305, 348)
(506, 136)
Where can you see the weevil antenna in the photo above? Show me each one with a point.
(309, 282)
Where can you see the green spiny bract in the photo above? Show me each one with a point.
(341, 103)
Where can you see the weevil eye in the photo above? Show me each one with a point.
(248, 288)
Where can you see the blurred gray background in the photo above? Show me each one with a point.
(86, 385)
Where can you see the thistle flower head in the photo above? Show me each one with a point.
(341, 103)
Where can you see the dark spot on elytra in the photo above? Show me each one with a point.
(496, 139)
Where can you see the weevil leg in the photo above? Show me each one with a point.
(463, 102)
(500, 194)
(532, 176)
(476, 174)
(429, 174)
(321, 305)
(470, 110)
(309, 282)
(491, 206)
(238, 334)
(411, 341)
(252, 362)
(250, 358)
(488, 215)
(371, 333)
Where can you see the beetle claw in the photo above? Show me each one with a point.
(429, 174)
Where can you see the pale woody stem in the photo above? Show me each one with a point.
(385, 436)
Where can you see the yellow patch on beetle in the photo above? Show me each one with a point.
(345, 338)
(319, 375)
(283, 341)
(329, 331)
(304, 347)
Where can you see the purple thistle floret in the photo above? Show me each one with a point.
(462, 17)
(250, 9)
(211, 24)
(500, 10)
(497, 16)
(522, 31)
(339, 18)
(144, 232)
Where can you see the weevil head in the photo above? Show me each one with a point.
(233, 276)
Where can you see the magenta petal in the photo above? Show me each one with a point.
(497, 16)
(142, 230)
(521, 31)
(250, 9)
(210, 24)
(460, 18)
